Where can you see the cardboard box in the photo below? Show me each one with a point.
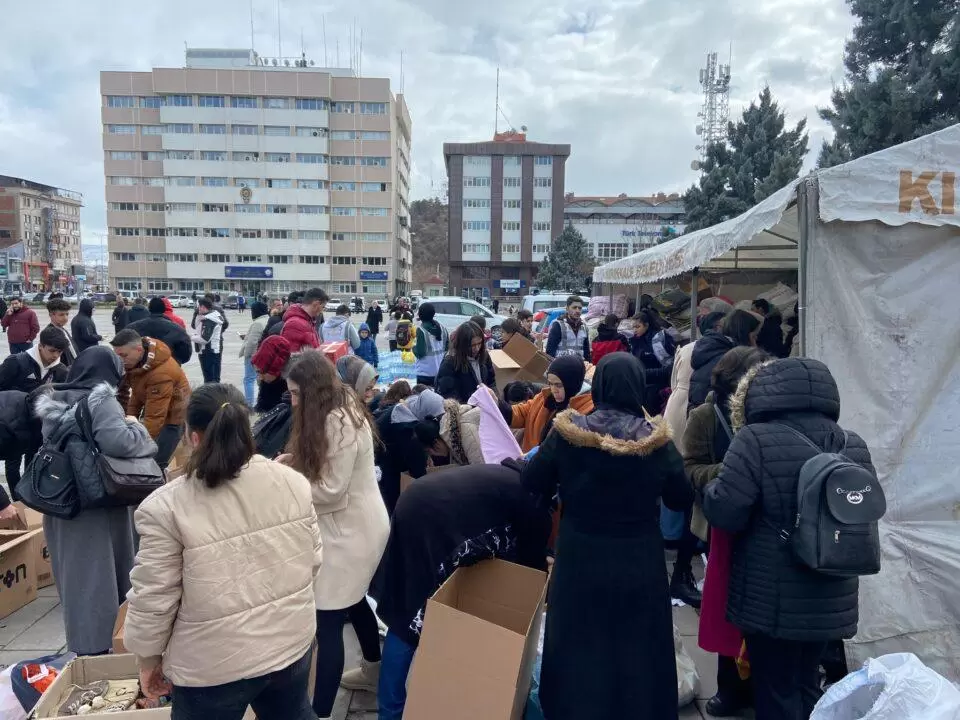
(519, 360)
(335, 350)
(118, 646)
(478, 645)
(30, 519)
(18, 570)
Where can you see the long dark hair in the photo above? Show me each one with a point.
(738, 326)
(321, 393)
(463, 346)
(733, 366)
(219, 413)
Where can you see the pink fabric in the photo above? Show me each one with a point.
(497, 441)
(716, 633)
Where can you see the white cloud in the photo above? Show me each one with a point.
(617, 79)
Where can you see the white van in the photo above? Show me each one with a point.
(453, 311)
(547, 301)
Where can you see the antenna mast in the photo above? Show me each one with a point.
(713, 115)
(323, 25)
(496, 109)
(279, 38)
(252, 43)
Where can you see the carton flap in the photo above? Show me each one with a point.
(502, 361)
(525, 354)
(10, 539)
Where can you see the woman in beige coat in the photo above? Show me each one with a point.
(222, 602)
(332, 444)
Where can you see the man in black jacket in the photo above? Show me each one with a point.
(787, 612)
(138, 311)
(83, 328)
(161, 328)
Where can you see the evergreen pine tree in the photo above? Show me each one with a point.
(569, 264)
(902, 77)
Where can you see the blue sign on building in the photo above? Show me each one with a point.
(373, 274)
(248, 272)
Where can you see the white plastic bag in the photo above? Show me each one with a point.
(890, 687)
(9, 705)
(687, 678)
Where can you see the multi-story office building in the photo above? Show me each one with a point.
(505, 208)
(615, 227)
(40, 245)
(239, 173)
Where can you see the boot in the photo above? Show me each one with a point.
(363, 678)
(720, 707)
(684, 587)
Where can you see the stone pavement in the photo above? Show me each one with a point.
(37, 629)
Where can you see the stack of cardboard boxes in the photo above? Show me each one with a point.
(24, 560)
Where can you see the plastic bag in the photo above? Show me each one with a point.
(497, 441)
(9, 705)
(688, 680)
(890, 687)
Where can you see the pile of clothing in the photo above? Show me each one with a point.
(107, 696)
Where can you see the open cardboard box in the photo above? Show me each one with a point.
(519, 360)
(18, 551)
(478, 644)
(30, 519)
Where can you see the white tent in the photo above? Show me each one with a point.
(878, 254)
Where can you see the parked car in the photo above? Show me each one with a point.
(181, 301)
(453, 311)
(546, 301)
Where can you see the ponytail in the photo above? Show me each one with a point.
(220, 414)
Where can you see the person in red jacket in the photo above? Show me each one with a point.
(609, 339)
(169, 314)
(21, 325)
(300, 321)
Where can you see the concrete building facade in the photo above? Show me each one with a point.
(240, 173)
(40, 246)
(505, 208)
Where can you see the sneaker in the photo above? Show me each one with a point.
(363, 678)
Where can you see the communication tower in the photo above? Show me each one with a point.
(712, 118)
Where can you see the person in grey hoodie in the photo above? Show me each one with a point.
(339, 328)
(83, 328)
(93, 553)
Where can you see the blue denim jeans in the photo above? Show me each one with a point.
(394, 668)
(249, 381)
(278, 696)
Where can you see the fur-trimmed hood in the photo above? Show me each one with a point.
(613, 432)
(777, 388)
(55, 406)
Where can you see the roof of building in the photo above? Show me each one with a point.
(570, 199)
(15, 182)
(435, 280)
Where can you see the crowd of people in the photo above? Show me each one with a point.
(286, 513)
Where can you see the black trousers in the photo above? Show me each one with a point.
(330, 649)
(785, 676)
(167, 442)
(210, 366)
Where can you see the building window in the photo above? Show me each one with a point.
(342, 107)
(345, 211)
(246, 182)
(312, 235)
(374, 212)
(543, 182)
(248, 234)
(279, 184)
(343, 186)
(511, 161)
(375, 261)
(312, 104)
(511, 248)
(470, 181)
(311, 132)
(247, 209)
(343, 288)
(375, 237)
(123, 155)
(180, 181)
(215, 101)
(542, 204)
(277, 157)
(217, 155)
(312, 209)
(541, 227)
(374, 161)
(374, 288)
(178, 100)
(215, 207)
(214, 182)
(343, 134)
(511, 204)
(159, 284)
(181, 207)
(275, 103)
(541, 249)
(181, 232)
(216, 258)
(183, 257)
(373, 108)
(124, 257)
(190, 285)
(121, 101)
(151, 155)
(612, 251)
(178, 128)
(311, 184)
(474, 203)
(543, 160)
(249, 259)
(278, 259)
(180, 155)
(126, 231)
(342, 236)
(216, 232)
(311, 259)
(476, 249)
(151, 129)
(155, 232)
(150, 101)
(129, 284)
(247, 103)
(312, 158)
(124, 207)
(509, 225)
(373, 187)
(337, 260)
(476, 224)
(276, 130)
(343, 160)
(277, 209)
(374, 135)
(512, 182)
(122, 129)
(213, 129)
(243, 129)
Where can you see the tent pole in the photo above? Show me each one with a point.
(694, 291)
(807, 215)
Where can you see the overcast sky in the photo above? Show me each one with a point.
(617, 79)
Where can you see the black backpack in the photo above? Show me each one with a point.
(839, 504)
(272, 430)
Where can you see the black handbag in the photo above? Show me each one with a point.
(126, 481)
(48, 485)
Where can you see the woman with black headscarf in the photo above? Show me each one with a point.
(93, 553)
(609, 632)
